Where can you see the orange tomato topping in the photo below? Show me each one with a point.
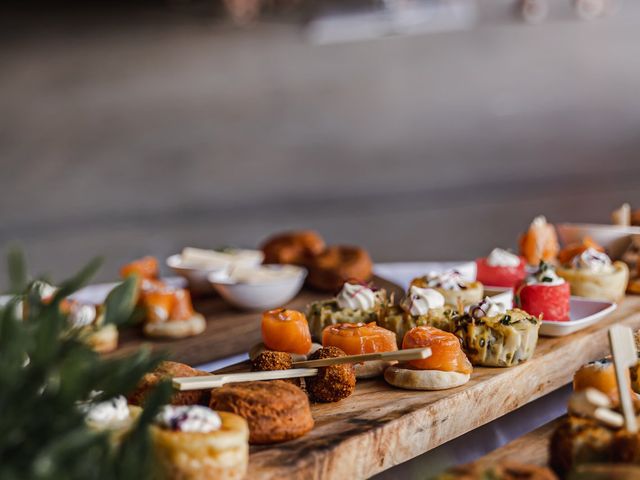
(446, 353)
(359, 338)
(146, 267)
(572, 250)
(286, 331)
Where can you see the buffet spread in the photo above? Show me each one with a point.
(349, 374)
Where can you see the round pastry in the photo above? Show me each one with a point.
(113, 415)
(258, 348)
(447, 367)
(169, 313)
(452, 286)
(540, 242)
(293, 247)
(592, 275)
(332, 383)
(196, 443)
(269, 360)
(329, 270)
(358, 339)
(544, 294)
(276, 411)
(166, 371)
(501, 269)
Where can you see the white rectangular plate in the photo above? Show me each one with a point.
(584, 312)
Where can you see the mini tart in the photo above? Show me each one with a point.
(504, 340)
(473, 293)
(276, 411)
(102, 339)
(222, 453)
(408, 377)
(327, 312)
(118, 430)
(176, 328)
(399, 321)
(598, 285)
(166, 371)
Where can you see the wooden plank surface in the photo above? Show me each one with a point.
(380, 426)
(228, 332)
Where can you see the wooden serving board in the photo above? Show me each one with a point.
(380, 426)
(229, 331)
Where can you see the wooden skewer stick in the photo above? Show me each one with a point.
(624, 353)
(400, 355)
(215, 381)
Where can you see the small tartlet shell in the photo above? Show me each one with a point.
(409, 378)
(223, 453)
(176, 328)
(597, 285)
(474, 292)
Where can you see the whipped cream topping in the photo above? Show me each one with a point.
(592, 260)
(82, 315)
(111, 411)
(43, 289)
(539, 221)
(188, 418)
(545, 275)
(420, 300)
(486, 308)
(356, 297)
(502, 258)
(447, 280)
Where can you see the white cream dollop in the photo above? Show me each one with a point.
(356, 297)
(82, 315)
(593, 260)
(447, 280)
(487, 308)
(545, 275)
(188, 418)
(539, 221)
(420, 300)
(43, 289)
(502, 258)
(114, 410)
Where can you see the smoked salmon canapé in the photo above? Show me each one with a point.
(544, 294)
(169, 312)
(539, 242)
(146, 268)
(361, 338)
(447, 367)
(284, 330)
(501, 268)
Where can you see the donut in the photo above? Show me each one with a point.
(332, 383)
(329, 270)
(296, 247)
(276, 411)
(166, 371)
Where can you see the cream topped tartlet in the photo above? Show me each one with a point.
(196, 443)
(452, 285)
(114, 415)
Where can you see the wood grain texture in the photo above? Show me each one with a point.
(380, 426)
(228, 332)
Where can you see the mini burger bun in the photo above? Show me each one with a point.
(413, 379)
(258, 348)
(372, 369)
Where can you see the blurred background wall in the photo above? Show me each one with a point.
(133, 131)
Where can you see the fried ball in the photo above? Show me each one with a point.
(166, 371)
(271, 360)
(332, 383)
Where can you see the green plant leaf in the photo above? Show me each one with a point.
(121, 302)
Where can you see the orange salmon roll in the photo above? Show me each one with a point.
(359, 338)
(447, 354)
(286, 330)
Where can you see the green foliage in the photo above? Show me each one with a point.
(45, 370)
(121, 302)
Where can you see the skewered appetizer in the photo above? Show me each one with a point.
(361, 338)
(285, 330)
(599, 375)
(196, 443)
(501, 268)
(421, 306)
(452, 286)
(337, 264)
(113, 415)
(447, 367)
(591, 274)
(168, 311)
(276, 411)
(493, 336)
(356, 303)
(544, 294)
(539, 242)
(166, 371)
(332, 383)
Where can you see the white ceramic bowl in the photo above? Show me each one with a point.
(259, 296)
(614, 238)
